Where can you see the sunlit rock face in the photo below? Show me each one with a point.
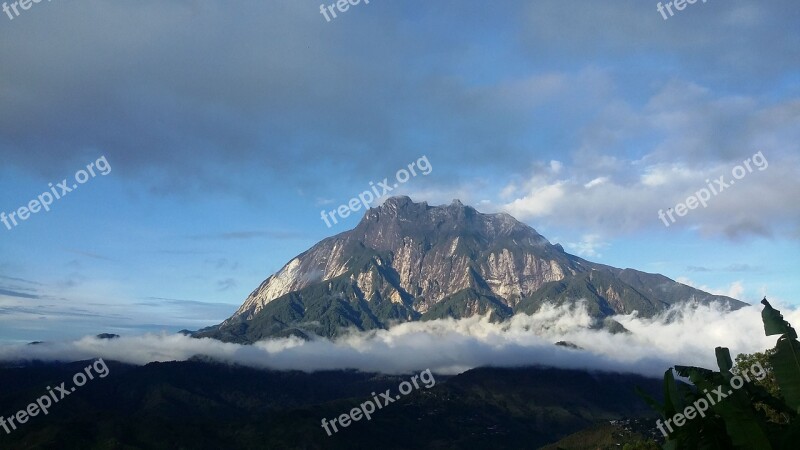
(408, 261)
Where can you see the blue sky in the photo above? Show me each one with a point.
(230, 126)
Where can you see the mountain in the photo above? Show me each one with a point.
(409, 261)
(200, 405)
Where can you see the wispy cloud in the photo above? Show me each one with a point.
(21, 280)
(730, 268)
(11, 293)
(734, 290)
(247, 235)
(228, 283)
(89, 254)
(182, 302)
(589, 246)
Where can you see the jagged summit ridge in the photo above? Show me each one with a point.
(399, 217)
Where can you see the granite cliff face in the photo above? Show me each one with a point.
(411, 261)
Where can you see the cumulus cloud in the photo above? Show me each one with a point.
(684, 335)
(540, 201)
(629, 197)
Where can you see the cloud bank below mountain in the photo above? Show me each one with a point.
(683, 335)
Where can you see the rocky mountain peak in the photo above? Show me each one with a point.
(409, 261)
(398, 202)
(399, 207)
(400, 217)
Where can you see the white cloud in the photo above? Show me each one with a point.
(596, 182)
(541, 201)
(734, 290)
(508, 191)
(589, 246)
(452, 346)
(640, 159)
(661, 175)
